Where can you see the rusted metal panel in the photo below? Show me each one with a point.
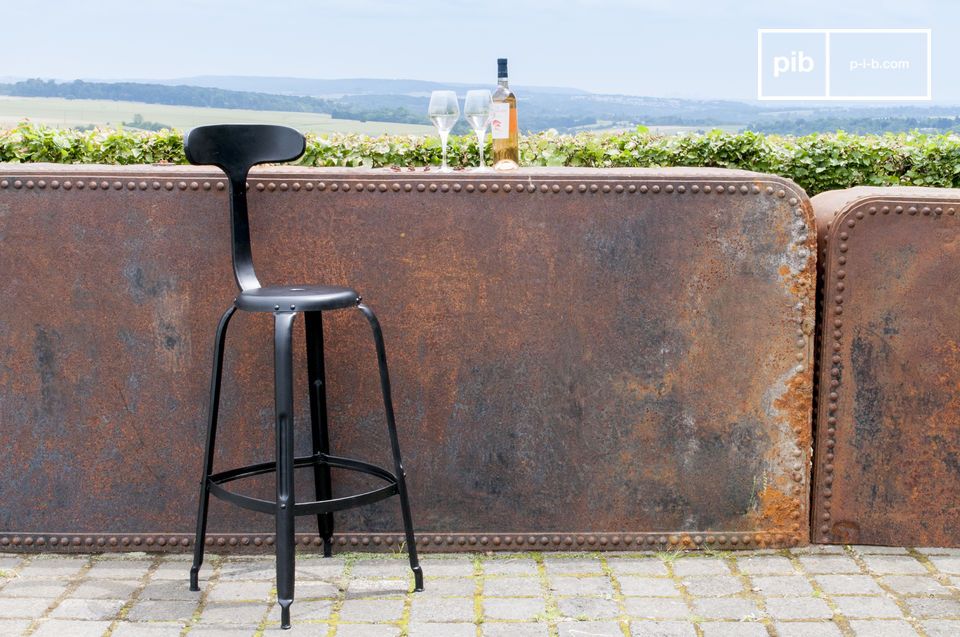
(581, 358)
(888, 421)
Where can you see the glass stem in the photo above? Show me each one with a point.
(443, 143)
(480, 142)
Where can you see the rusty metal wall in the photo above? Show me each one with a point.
(888, 422)
(581, 358)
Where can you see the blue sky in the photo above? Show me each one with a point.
(683, 48)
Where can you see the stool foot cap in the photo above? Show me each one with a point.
(194, 579)
(285, 613)
(417, 579)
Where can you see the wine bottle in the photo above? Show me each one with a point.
(503, 123)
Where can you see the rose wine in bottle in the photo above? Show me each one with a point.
(503, 123)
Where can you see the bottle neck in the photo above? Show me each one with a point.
(502, 81)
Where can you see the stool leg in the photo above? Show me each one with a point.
(395, 445)
(318, 422)
(283, 401)
(212, 413)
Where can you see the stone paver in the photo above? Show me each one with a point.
(894, 565)
(458, 587)
(766, 565)
(942, 627)
(108, 589)
(398, 569)
(245, 613)
(53, 567)
(808, 629)
(24, 607)
(239, 591)
(915, 585)
(13, 626)
(882, 628)
(873, 607)
(509, 566)
(663, 629)
(572, 566)
(367, 588)
(738, 629)
(726, 608)
(205, 630)
(100, 609)
(151, 610)
(523, 609)
(357, 630)
(509, 586)
(447, 609)
(949, 565)
(879, 550)
(715, 586)
(515, 629)
(167, 590)
(781, 585)
(585, 608)
(574, 586)
(648, 586)
(820, 549)
(119, 569)
(180, 570)
(700, 566)
(371, 610)
(459, 629)
(30, 587)
(318, 568)
(247, 570)
(829, 564)
(830, 591)
(848, 585)
(637, 566)
(62, 627)
(447, 566)
(798, 608)
(937, 607)
(656, 608)
(589, 629)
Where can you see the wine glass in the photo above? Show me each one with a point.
(444, 110)
(476, 109)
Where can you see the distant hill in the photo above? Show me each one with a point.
(181, 95)
(566, 111)
(163, 94)
(541, 108)
(350, 86)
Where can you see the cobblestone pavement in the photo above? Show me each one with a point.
(828, 591)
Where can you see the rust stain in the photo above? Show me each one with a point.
(777, 509)
(794, 404)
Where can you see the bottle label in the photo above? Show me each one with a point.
(500, 120)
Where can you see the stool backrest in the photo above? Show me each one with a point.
(235, 148)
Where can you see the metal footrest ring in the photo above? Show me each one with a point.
(216, 481)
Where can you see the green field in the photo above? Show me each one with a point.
(610, 127)
(64, 113)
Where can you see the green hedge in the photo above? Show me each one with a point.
(815, 162)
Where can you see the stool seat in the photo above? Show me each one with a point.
(303, 298)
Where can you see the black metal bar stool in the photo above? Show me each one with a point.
(235, 149)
